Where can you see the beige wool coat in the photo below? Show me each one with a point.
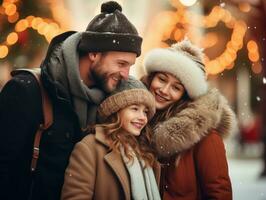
(96, 172)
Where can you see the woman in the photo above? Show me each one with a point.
(115, 162)
(189, 125)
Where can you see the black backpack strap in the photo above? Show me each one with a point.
(47, 113)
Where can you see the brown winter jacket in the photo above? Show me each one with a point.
(95, 172)
(191, 144)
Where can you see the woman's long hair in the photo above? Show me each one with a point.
(140, 144)
(171, 110)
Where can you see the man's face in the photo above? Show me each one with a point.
(111, 68)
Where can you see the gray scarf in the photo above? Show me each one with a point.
(85, 100)
(142, 180)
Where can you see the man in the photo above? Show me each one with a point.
(78, 70)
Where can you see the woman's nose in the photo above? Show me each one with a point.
(164, 89)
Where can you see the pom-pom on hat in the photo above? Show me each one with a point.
(110, 31)
(129, 92)
(183, 60)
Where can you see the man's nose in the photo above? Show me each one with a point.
(125, 72)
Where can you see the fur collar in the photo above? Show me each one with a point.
(192, 124)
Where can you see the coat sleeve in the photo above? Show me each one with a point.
(212, 168)
(80, 174)
(19, 117)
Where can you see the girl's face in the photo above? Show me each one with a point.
(166, 89)
(134, 118)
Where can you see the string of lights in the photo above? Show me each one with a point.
(43, 26)
(175, 25)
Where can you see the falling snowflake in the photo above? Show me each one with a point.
(258, 98)
(114, 41)
(222, 5)
(264, 80)
(106, 15)
(255, 27)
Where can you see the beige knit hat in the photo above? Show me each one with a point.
(185, 61)
(128, 93)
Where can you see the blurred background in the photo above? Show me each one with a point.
(231, 32)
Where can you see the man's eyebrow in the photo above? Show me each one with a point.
(124, 61)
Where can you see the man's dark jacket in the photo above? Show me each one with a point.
(20, 115)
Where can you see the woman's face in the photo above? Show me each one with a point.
(134, 118)
(166, 89)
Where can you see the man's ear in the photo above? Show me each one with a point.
(94, 56)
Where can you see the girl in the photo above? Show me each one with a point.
(115, 162)
(189, 124)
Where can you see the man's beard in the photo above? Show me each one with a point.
(101, 79)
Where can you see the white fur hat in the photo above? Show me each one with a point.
(184, 61)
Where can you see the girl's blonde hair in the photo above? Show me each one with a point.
(141, 144)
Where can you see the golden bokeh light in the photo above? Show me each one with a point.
(253, 56)
(3, 51)
(252, 46)
(10, 9)
(12, 38)
(21, 25)
(230, 66)
(13, 18)
(44, 26)
(30, 19)
(35, 22)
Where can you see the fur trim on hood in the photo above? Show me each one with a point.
(192, 124)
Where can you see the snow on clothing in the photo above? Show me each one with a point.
(96, 172)
(191, 143)
(21, 114)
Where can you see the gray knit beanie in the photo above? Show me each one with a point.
(129, 92)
